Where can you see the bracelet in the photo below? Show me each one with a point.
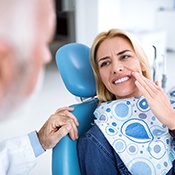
(172, 133)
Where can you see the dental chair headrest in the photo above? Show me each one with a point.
(74, 65)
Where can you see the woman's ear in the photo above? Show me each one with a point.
(6, 66)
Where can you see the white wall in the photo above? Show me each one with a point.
(141, 14)
(148, 15)
(86, 20)
(94, 16)
(109, 15)
(165, 21)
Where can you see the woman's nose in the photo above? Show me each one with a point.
(117, 67)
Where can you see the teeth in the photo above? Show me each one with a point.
(121, 80)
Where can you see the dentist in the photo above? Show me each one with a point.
(26, 28)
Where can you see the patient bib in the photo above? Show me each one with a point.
(142, 142)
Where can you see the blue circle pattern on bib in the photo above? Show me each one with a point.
(141, 141)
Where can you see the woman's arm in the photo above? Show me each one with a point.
(157, 100)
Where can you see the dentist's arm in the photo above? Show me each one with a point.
(60, 124)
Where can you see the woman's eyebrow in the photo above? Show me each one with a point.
(119, 53)
(122, 52)
(104, 58)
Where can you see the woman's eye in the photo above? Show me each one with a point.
(125, 56)
(104, 64)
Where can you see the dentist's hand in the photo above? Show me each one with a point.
(157, 100)
(57, 126)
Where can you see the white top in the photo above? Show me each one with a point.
(16, 156)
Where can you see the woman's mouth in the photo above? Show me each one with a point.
(121, 80)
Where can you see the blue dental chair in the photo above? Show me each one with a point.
(74, 66)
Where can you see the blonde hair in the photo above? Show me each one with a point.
(102, 92)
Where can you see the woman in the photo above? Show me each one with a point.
(130, 134)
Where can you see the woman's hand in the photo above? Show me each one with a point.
(157, 100)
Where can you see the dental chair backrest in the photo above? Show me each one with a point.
(74, 66)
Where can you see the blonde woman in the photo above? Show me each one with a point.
(134, 119)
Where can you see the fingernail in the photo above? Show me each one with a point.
(136, 73)
(68, 127)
